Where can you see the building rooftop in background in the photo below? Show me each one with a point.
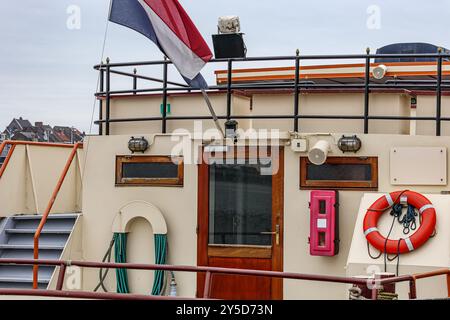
(22, 129)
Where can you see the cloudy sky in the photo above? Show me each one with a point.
(48, 47)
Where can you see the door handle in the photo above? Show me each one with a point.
(276, 233)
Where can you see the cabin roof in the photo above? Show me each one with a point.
(336, 73)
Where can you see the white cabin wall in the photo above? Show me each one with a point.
(296, 217)
(426, 107)
(347, 104)
(102, 201)
(150, 106)
(31, 177)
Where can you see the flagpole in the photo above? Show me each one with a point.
(213, 113)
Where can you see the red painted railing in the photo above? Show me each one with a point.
(439, 272)
(52, 200)
(14, 143)
(210, 271)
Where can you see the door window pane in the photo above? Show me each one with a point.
(240, 204)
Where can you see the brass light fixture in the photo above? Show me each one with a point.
(349, 144)
(137, 144)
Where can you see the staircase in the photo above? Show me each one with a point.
(16, 242)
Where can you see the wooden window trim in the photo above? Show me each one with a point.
(306, 184)
(139, 182)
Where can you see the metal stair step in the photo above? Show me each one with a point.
(28, 254)
(23, 280)
(54, 222)
(24, 271)
(46, 239)
(30, 246)
(53, 216)
(32, 231)
(16, 242)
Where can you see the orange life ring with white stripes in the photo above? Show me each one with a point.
(411, 243)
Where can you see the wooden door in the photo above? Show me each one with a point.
(240, 220)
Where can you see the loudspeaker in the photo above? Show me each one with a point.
(229, 45)
(318, 154)
(379, 71)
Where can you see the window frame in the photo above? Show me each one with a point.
(372, 184)
(120, 181)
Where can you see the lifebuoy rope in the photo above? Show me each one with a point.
(408, 221)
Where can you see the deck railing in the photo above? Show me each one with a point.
(209, 273)
(367, 85)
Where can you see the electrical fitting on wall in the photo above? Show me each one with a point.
(300, 142)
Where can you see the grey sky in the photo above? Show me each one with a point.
(46, 69)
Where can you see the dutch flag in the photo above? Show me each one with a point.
(167, 24)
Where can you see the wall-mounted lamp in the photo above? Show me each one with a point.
(230, 129)
(137, 144)
(349, 144)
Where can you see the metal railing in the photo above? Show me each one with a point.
(367, 86)
(37, 234)
(208, 271)
(436, 273)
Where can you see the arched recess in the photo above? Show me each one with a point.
(142, 209)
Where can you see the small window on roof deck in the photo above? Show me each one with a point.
(149, 171)
(351, 173)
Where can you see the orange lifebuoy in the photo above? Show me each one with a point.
(411, 243)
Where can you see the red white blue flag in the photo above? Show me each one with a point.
(167, 24)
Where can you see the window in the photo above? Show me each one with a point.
(352, 173)
(240, 205)
(149, 171)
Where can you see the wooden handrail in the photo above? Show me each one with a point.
(52, 200)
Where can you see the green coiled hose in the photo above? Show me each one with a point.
(160, 258)
(120, 249)
(120, 254)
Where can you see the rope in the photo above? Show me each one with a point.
(105, 36)
(408, 222)
(396, 210)
(382, 295)
(102, 276)
(354, 293)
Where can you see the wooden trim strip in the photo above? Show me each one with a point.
(396, 69)
(261, 252)
(333, 66)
